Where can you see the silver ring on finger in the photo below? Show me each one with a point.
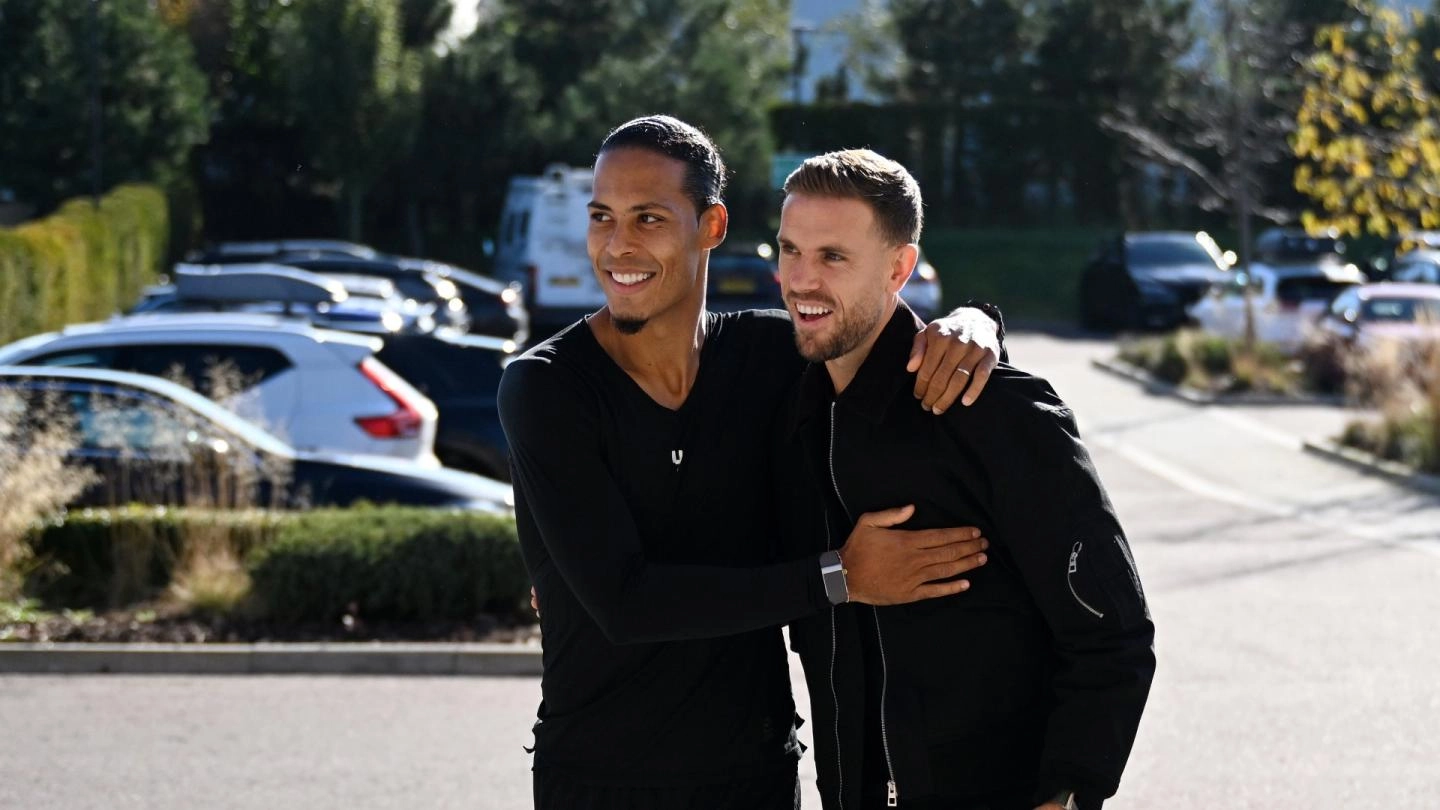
(962, 370)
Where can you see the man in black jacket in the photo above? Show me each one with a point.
(1027, 690)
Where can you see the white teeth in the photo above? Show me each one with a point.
(811, 309)
(630, 278)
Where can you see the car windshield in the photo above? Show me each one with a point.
(1164, 253)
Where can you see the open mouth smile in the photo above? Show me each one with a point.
(630, 279)
(811, 313)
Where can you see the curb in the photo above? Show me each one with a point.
(1368, 463)
(347, 658)
(1194, 396)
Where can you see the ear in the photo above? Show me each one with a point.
(714, 224)
(902, 264)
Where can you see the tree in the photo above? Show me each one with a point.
(543, 81)
(1367, 135)
(1097, 58)
(355, 91)
(1230, 123)
(152, 103)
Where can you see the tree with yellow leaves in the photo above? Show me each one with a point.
(1366, 133)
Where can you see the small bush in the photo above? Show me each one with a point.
(1211, 363)
(1403, 382)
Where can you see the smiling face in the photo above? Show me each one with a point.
(839, 276)
(647, 243)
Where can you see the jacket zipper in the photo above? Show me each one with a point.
(1070, 579)
(892, 793)
(834, 694)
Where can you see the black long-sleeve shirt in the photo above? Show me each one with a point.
(640, 527)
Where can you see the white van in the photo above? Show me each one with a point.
(541, 244)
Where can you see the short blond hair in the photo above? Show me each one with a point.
(879, 182)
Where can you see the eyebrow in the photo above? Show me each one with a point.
(783, 242)
(644, 206)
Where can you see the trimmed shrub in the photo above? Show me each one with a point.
(380, 563)
(390, 563)
(81, 263)
(115, 557)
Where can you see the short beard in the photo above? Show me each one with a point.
(628, 326)
(851, 334)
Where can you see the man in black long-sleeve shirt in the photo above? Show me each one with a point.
(639, 442)
(1025, 692)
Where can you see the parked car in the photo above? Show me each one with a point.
(461, 375)
(1286, 301)
(154, 442)
(1285, 246)
(494, 307)
(1147, 280)
(743, 276)
(363, 304)
(422, 285)
(922, 290)
(1371, 314)
(1418, 267)
(319, 389)
(541, 245)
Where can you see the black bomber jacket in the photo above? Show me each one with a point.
(1036, 676)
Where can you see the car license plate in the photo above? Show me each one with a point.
(736, 286)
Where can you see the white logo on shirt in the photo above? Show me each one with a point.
(677, 456)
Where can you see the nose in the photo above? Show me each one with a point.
(621, 241)
(798, 274)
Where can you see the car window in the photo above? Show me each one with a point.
(1309, 288)
(1164, 253)
(416, 287)
(211, 370)
(113, 421)
(1389, 310)
(76, 358)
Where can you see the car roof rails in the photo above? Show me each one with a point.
(248, 283)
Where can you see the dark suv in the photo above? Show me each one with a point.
(1146, 280)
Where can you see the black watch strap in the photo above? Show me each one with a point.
(832, 573)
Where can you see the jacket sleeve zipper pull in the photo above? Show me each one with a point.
(892, 796)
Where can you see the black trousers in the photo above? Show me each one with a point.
(775, 791)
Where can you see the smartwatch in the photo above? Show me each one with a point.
(832, 573)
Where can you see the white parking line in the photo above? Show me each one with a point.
(1205, 488)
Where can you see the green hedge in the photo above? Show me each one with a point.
(81, 263)
(391, 563)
